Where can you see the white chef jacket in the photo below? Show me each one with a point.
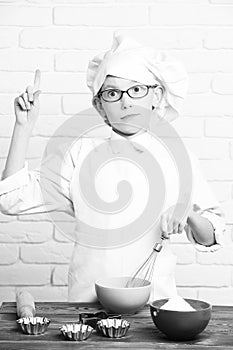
(21, 194)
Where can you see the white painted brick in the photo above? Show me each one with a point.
(208, 148)
(51, 252)
(205, 61)
(80, 1)
(167, 38)
(227, 208)
(217, 170)
(189, 127)
(221, 1)
(25, 16)
(60, 276)
(208, 105)
(228, 235)
(66, 38)
(65, 233)
(222, 190)
(15, 82)
(25, 232)
(216, 296)
(231, 150)
(209, 276)
(73, 61)
(7, 125)
(9, 254)
(44, 2)
(190, 293)
(220, 38)
(47, 126)
(7, 294)
(7, 104)
(199, 83)
(223, 256)
(101, 39)
(8, 37)
(101, 15)
(50, 104)
(5, 143)
(223, 84)
(64, 82)
(187, 14)
(184, 1)
(75, 103)
(15, 60)
(185, 253)
(219, 127)
(25, 275)
(48, 293)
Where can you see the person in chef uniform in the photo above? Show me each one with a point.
(122, 188)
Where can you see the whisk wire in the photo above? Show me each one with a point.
(144, 272)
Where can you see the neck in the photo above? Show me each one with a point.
(128, 136)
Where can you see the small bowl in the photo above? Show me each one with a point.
(33, 325)
(113, 327)
(76, 331)
(115, 297)
(181, 325)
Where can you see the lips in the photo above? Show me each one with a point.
(129, 116)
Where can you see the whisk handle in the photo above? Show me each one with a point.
(157, 247)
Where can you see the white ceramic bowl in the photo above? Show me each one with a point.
(115, 297)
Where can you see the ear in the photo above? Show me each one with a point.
(158, 96)
(97, 104)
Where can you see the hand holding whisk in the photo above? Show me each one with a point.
(170, 223)
(144, 273)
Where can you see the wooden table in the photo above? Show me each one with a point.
(141, 335)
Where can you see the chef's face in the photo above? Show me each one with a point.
(127, 115)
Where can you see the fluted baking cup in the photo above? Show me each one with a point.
(76, 331)
(33, 325)
(113, 328)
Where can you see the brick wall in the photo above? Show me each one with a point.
(59, 37)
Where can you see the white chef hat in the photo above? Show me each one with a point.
(129, 60)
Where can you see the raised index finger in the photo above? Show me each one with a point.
(36, 84)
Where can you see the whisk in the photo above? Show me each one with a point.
(145, 271)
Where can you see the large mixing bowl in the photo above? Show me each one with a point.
(115, 297)
(181, 325)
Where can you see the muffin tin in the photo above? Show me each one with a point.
(76, 331)
(108, 325)
(33, 325)
(113, 328)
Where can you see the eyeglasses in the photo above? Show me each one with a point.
(135, 92)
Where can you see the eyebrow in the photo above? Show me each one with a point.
(109, 86)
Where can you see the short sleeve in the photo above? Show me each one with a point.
(205, 204)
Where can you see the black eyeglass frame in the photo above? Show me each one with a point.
(99, 94)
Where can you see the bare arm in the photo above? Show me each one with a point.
(26, 112)
(202, 229)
